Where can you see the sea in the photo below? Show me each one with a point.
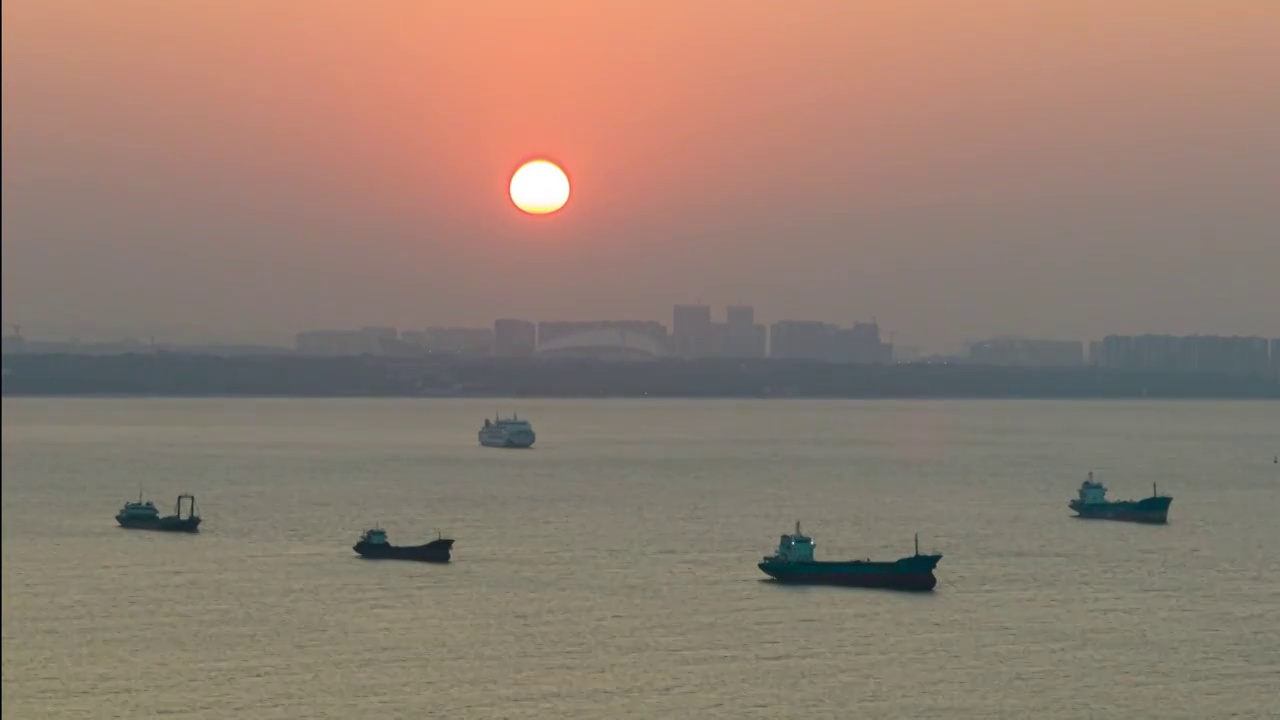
(610, 571)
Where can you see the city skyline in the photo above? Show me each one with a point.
(210, 172)
(190, 333)
(697, 331)
(186, 335)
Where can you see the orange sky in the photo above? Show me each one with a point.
(249, 168)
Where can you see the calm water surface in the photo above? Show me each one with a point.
(610, 572)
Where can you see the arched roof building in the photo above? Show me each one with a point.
(603, 343)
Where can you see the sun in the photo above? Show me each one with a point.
(539, 187)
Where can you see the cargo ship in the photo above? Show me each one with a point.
(509, 432)
(794, 563)
(374, 545)
(1092, 504)
(143, 515)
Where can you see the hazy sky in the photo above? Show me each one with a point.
(243, 169)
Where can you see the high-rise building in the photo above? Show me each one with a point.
(1241, 356)
(860, 344)
(799, 340)
(691, 334)
(1228, 355)
(1252, 356)
(514, 338)
(1160, 352)
(760, 341)
(1117, 351)
(741, 334)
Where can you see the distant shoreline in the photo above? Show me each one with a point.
(717, 398)
(205, 376)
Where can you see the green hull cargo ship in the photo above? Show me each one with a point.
(1092, 504)
(144, 516)
(794, 563)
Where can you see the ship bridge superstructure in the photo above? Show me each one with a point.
(796, 547)
(139, 509)
(1091, 492)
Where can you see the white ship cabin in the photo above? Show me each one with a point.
(375, 536)
(139, 509)
(513, 422)
(1091, 492)
(797, 547)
